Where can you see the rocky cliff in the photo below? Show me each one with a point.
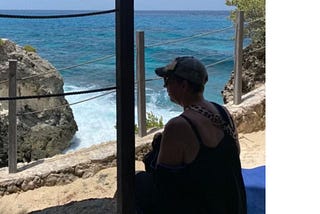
(42, 129)
(249, 116)
(253, 72)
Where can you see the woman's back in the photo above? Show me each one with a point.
(210, 183)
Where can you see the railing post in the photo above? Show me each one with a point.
(125, 106)
(12, 132)
(238, 58)
(141, 91)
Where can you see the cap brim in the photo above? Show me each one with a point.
(162, 72)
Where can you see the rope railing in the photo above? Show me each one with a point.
(188, 38)
(86, 63)
(63, 69)
(70, 104)
(198, 35)
(207, 66)
(57, 16)
(220, 61)
(57, 95)
(216, 54)
(70, 67)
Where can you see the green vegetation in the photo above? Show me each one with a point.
(29, 48)
(1, 42)
(152, 122)
(253, 64)
(254, 15)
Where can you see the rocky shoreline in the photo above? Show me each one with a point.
(45, 126)
(253, 72)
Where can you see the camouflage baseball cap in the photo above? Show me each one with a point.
(185, 67)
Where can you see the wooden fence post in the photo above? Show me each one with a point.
(125, 106)
(12, 132)
(141, 91)
(238, 58)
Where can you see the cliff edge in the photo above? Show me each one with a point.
(43, 130)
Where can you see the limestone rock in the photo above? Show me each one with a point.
(40, 133)
(249, 116)
(253, 72)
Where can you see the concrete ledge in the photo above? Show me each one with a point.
(249, 115)
(64, 169)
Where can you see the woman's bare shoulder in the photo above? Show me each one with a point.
(174, 138)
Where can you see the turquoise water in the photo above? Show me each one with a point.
(71, 41)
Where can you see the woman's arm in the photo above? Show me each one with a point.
(174, 138)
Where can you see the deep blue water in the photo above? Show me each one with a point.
(71, 41)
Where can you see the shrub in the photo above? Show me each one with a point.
(254, 10)
(29, 48)
(152, 122)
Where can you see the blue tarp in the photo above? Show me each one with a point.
(255, 182)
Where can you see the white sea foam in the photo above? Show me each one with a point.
(96, 118)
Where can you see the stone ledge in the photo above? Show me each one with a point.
(249, 115)
(64, 169)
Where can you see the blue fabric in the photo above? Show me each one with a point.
(254, 180)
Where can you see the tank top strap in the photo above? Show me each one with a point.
(230, 127)
(193, 127)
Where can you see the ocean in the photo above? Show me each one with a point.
(72, 41)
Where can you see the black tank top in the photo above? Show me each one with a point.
(210, 184)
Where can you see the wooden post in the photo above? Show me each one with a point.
(125, 106)
(141, 91)
(238, 59)
(12, 135)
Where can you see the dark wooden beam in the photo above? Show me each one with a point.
(125, 106)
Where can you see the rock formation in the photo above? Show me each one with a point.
(42, 129)
(253, 72)
(249, 116)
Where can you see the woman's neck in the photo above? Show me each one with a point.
(193, 100)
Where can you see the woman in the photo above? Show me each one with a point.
(197, 168)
